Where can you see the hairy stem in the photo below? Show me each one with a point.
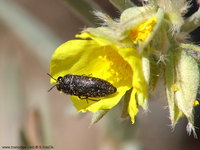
(85, 14)
(122, 4)
(192, 22)
(191, 47)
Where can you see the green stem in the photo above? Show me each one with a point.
(192, 22)
(98, 115)
(122, 4)
(83, 9)
(191, 47)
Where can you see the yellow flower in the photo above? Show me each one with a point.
(196, 103)
(121, 66)
(140, 33)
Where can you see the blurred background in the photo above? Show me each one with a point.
(30, 31)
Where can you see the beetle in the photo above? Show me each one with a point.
(85, 87)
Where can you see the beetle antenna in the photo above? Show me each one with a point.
(51, 76)
(51, 88)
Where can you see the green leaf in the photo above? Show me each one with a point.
(154, 72)
(174, 112)
(98, 115)
(146, 68)
(182, 80)
(187, 81)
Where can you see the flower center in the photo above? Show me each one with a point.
(141, 32)
(110, 66)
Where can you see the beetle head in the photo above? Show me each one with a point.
(58, 82)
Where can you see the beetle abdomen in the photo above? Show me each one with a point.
(85, 86)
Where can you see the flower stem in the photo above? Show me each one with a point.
(122, 4)
(85, 14)
(192, 22)
(191, 47)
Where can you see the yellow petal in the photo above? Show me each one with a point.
(130, 55)
(196, 103)
(132, 107)
(99, 40)
(135, 62)
(70, 57)
(104, 103)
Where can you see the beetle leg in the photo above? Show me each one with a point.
(93, 99)
(89, 75)
(86, 98)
